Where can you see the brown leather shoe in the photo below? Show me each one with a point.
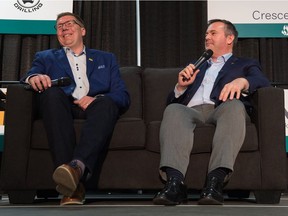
(67, 179)
(77, 198)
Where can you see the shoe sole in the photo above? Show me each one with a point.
(166, 202)
(72, 202)
(65, 181)
(63, 190)
(209, 201)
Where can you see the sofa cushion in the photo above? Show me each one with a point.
(121, 139)
(128, 134)
(158, 82)
(132, 79)
(203, 138)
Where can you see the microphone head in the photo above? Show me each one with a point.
(207, 54)
(204, 57)
(64, 81)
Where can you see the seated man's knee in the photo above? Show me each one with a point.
(176, 111)
(171, 108)
(52, 93)
(233, 107)
(104, 103)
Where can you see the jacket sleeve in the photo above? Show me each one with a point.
(38, 67)
(255, 77)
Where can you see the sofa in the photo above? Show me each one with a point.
(132, 161)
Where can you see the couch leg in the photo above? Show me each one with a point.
(267, 196)
(46, 194)
(21, 196)
(238, 194)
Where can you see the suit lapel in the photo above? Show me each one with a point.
(225, 69)
(90, 61)
(60, 55)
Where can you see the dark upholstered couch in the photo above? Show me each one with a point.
(133, 157)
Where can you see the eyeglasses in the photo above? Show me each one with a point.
(68, 24)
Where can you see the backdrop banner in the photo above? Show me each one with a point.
(253, 18)
(31, 16)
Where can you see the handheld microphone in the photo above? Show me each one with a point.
(204, 57)
(61, 82)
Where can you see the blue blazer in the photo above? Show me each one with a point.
(235, 67)
(102, 72)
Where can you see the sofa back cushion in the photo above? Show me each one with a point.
(132, 79)
(158, 83)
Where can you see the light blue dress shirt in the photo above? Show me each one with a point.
(202, 95)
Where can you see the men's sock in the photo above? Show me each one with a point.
(219, 173)
(174, 173)
(78, 163)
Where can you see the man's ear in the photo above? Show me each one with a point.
(83, 31)
(230, 39)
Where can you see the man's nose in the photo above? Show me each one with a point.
(64, 27)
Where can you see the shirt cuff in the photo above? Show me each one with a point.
(178, 93)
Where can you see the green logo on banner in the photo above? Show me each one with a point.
(285, 30)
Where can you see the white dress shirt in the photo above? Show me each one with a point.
(78, 67)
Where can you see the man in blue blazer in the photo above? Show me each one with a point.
(96, 93)
(216, 93)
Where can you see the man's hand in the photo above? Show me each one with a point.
(233, 89)
(189, 74)
(40, 82)
(84, 102)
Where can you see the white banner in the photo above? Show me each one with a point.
(253, 18)
(31, 16)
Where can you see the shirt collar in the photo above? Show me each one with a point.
(67, 49)
(221, 59)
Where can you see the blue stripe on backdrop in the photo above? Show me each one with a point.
(279, 30)
(27, 27)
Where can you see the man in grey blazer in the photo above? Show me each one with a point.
(216, 93)
(97, 94)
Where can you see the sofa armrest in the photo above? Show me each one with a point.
(268, 116)
(19, 114)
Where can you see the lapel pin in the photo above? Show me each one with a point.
(90, 59)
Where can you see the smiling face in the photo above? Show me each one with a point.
(218, 40)
(70, 33)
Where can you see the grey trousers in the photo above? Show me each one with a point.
(177, 134)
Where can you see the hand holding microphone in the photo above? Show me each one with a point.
(203, 58)
(43, 80)
(187, 75)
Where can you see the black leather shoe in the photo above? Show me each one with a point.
(212, 194)
(174, 193)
